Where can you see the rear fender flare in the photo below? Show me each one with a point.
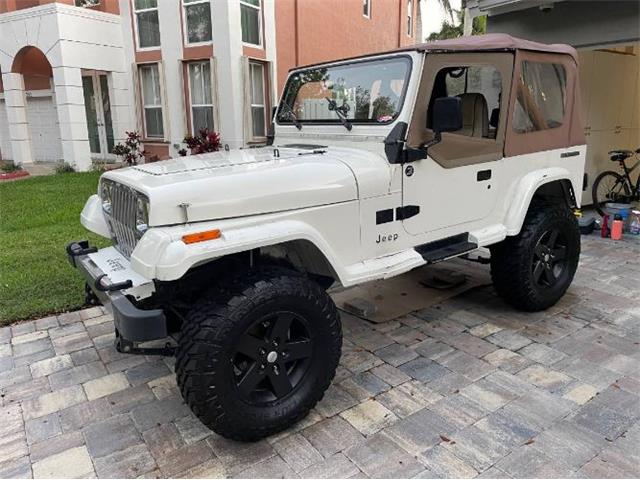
(525, 191)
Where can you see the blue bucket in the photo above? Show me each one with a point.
(622, 209)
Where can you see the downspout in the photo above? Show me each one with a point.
(297, 39)
(400, 23)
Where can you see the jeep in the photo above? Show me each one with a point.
(375, 166)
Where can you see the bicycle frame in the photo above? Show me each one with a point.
(635, 189)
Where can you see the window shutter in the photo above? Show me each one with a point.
(246, 78)
(165, 107)
(137, 99)
(213, 65)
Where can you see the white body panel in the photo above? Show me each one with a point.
(329, 198)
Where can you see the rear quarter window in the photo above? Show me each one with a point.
(540, 98)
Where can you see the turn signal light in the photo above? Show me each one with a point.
(201, 236)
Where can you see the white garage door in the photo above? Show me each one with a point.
(45, 131)
(43, 124)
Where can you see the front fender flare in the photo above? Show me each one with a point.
(161, 254)
(525, 190)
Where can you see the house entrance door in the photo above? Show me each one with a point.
(95, 86)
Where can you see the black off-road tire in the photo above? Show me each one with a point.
(205, 369)
(513, 260)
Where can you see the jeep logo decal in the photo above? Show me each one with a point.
(392, 237)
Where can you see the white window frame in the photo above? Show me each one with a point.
(366, 4)
(191, 104)
(409, 18)
(259, 9)
(144, 107)
(135, 26)
(184, 23)
(264, 100)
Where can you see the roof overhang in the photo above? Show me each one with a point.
(496, 7)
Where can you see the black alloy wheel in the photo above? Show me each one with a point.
(549, 258)
(257, 353)
(272, 357)
(533, 269)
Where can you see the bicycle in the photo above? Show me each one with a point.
(613, 187)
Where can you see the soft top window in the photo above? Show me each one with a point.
(480, 88)
(369, 91)
(541, 97)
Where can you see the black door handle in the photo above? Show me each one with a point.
(484, 175)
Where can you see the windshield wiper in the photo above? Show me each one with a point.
(293, 116)
(340, 111)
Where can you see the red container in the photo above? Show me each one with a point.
(604, 229)
(616, 228)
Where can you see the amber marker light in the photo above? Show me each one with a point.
(201, 236)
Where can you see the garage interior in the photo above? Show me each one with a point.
(607, 37)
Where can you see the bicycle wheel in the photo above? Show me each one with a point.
(609, 187)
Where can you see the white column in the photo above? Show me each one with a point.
(122, 110)
(72, 117)
(173, 98)
(227, 38)
(467, 23)
(269, 9)
(16, 105)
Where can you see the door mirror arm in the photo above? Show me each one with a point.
(412, 154)
(447, 117)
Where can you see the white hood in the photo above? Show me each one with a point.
(239, 183)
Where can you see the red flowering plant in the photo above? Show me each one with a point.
(204, 142)
(130, 151)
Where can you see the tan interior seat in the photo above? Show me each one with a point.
(475, 115)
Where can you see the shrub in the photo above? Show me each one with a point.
(9, 167)
(130, 151)
(204, 142)
(64, 167)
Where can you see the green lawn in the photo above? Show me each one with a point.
(38, 217)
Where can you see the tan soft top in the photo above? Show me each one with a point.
(488, 42)
(491, 41)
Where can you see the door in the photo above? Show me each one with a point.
(459, 182)
(97, 106)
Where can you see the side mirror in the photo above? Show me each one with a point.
(447, 115)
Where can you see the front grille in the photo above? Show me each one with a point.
(122, 218)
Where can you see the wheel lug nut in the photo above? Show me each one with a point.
(263, 352)
(276, 370)
(262, 366)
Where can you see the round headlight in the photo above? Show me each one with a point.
(142, 215)
(105, 196)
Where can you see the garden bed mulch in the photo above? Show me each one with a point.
(13, 175)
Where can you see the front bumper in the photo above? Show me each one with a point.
(133, 325)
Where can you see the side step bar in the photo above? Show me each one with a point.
(445, 248)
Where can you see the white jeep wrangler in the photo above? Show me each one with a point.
(377, 165)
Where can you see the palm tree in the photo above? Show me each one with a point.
(446, 6)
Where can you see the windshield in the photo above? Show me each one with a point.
(370, 91)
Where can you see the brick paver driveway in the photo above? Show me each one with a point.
(467, 388)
